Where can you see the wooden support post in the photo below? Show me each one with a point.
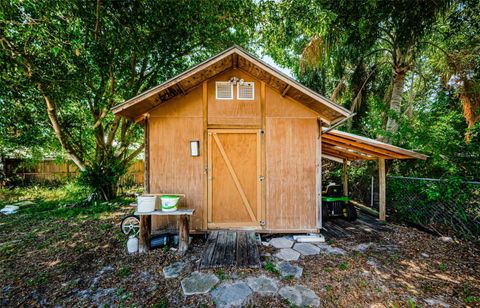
(381, 189)
(318, 176)
(205, 150)
(144, 235)
(146, 160)
(345, 177)
(183, 235)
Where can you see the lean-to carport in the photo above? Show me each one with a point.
(345, 147)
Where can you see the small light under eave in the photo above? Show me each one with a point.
(194, 148)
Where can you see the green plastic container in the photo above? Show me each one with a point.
(169, 203)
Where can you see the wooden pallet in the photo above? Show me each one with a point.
(231, 248)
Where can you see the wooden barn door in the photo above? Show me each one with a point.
(234, 178)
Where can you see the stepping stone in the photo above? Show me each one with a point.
(281, 242)
(373, 263)
(287, 269)
(287, 254)
(435, 302)
(231, 294)
(306, 249)
(329, 250)
(172, 271)
(300, 296)
(362, 247)
(263, 285)
(198, 283)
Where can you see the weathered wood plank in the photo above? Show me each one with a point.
(231, 248)
(242, 253)
(208, 254)
(220, 248)
(163, 213)
(253, 254)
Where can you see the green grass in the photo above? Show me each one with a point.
(442, 267)
(124, 272)
(270, 267)
(52, 202)
(342, 266)
(221, 274)
(288, 277)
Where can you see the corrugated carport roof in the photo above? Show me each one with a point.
(348, 146)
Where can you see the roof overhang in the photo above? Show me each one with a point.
(234, 57)
(342, 145)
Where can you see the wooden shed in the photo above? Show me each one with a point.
(241, 141)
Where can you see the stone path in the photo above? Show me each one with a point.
(263, 285)
(287, 269)
(306, 249)
(238, 293)
(300, 296)
(198, 283)
(287, 254)
(173, 270)
(231, 294)
(281, 242)
(291, 251)
(330, 250)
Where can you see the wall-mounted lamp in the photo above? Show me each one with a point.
(195, 148)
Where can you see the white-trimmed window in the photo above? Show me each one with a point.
(224, 90)
(246, 91)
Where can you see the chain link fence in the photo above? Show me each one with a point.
(448, 207)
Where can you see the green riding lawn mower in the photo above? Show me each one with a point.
(335, 204)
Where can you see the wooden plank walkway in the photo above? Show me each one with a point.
(340, 228)
(231, 248)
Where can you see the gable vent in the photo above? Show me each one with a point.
(224, 90)
(246, 91)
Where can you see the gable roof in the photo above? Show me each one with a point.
(233, 57)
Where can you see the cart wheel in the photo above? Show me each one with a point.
(130, 225)
(349, 212)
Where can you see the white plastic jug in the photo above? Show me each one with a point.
(132, 244)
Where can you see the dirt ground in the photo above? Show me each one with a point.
(81, 260)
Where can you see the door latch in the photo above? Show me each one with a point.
(261, 178)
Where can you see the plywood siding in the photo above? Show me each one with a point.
(290, 176)
(172, 168)
(228, 113)
(285, 107)
(291, 131)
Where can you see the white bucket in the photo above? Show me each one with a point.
(146, 203)
(169, 203)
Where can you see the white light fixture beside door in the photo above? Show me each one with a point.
(195, 148)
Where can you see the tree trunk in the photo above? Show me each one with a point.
(338, 89)
(52, 115)
(411, 98)
(470, 100)
(395, 101)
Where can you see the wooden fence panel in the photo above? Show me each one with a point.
(51, 171)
